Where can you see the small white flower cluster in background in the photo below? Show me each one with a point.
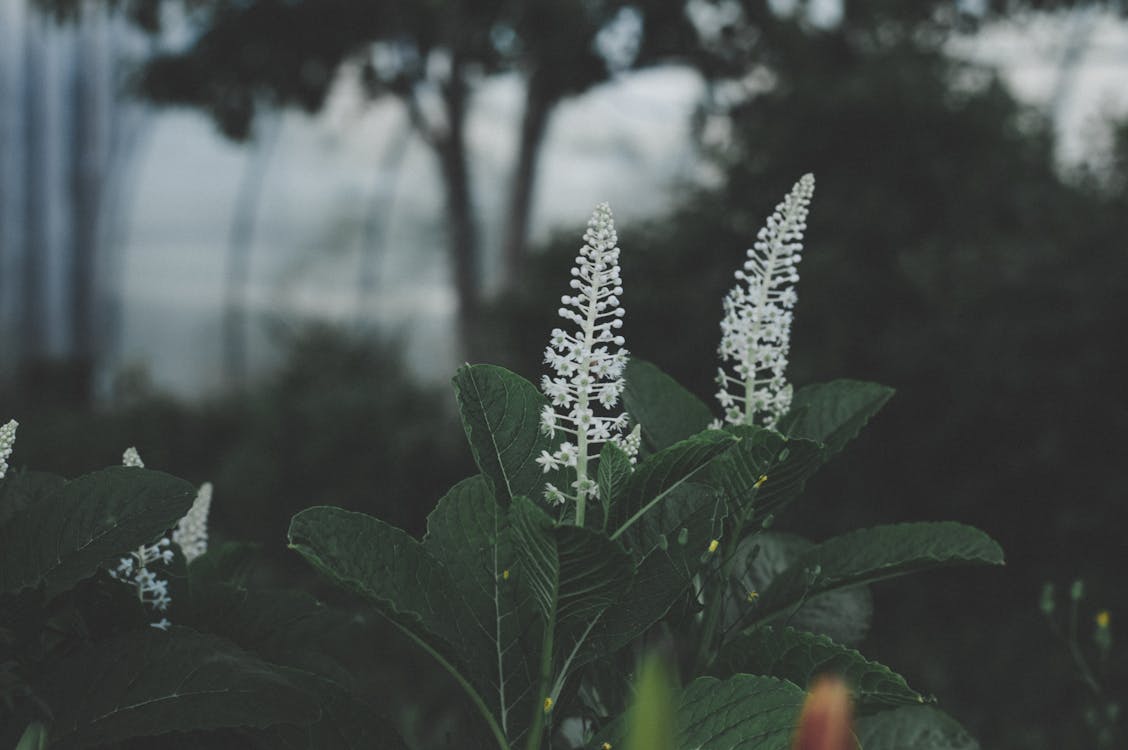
(588, 366)
(756, 329)
(191, 533)
(7, 442)
(134, 569)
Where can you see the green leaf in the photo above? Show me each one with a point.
(574, 574)
(147, 683)
(667, 412)
(659, 474)
(913, 728)
(25, 489)
(833, 413)
(844, 615)
(799, 657)
(657, 585)
(384, 564)
(470, 532)
(501, 417)
(875, 554)
(744, 711)
(86, 522)
(682, 525)
(441, 605)
(783, 464)
(613, 475)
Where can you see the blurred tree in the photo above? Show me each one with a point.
(246, 56)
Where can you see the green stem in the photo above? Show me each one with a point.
(534, 740)
(713, 614)
(476, 699)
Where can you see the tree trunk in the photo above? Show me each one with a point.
(463, 240)
(538, 105)
(239, 247)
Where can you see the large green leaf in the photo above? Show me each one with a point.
(148, 682)
(844, 615)
(574, 574)
(63, 538)
(470, 532)
(875, 554)
(667, 412)
(386, 565)
(764, 471)
(913, 728)
(501, 417)
(661, 473)
(833, 413)
(24, 489)
(742, 712)
(658, 584)
(799, 657)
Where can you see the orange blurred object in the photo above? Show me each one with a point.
(824, 723)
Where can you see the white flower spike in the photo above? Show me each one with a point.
(7, 442)
(132, 458)
(191, 533)
(756, 329)
(588, 366)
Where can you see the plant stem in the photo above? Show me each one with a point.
(705, 647)
(534, 740)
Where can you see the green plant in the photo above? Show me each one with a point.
(610, 511)
(538, 580)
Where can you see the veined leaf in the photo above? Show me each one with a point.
(764, 471)
(574, 574)
(345, 724)
(386, 565)
(470, 532)
(744, 711)
(659, 474)
(658, 584)
(501, 416)
(875, 554)
(61, 539)
(667, 412)
(613, 475)
(799, 657)
(913, 728)
(833, 413)
(146, 683)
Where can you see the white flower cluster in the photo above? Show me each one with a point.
(191, 533)
(151, 590)
(7, 442)
(587, 365)
(134, 569)
(756, 329)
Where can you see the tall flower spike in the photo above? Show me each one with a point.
(191, 533)
(756, 329)
(7, 442)
(133, 570)
(587, 364)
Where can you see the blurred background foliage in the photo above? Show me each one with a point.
(949, 255)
